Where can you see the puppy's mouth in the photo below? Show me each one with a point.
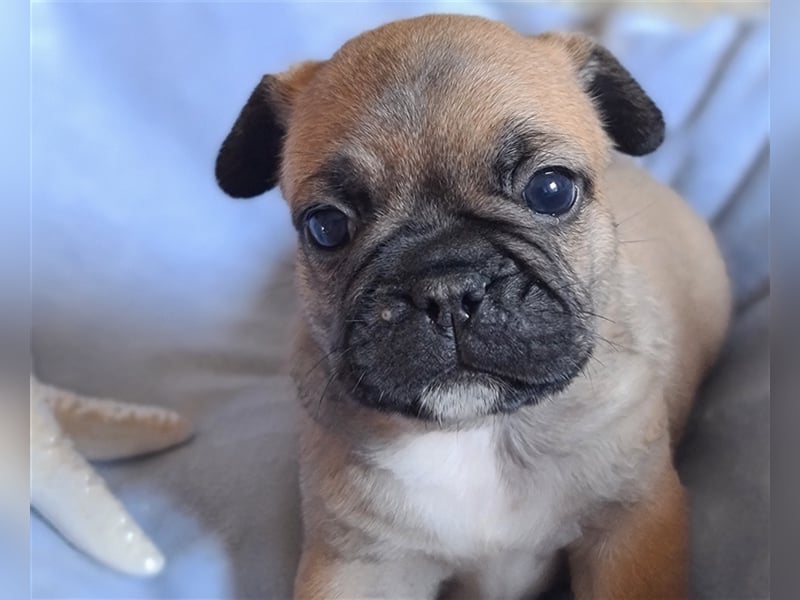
(464, 394)
(458, 342)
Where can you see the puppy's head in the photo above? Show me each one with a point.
(444, 176)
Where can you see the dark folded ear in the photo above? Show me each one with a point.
(630, 118)
(248, 163)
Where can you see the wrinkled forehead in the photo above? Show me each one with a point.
(397, 109)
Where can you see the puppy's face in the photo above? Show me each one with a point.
(444, 175)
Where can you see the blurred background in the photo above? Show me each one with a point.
(150, 285)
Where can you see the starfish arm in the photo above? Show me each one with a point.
(103, 429)
(74, 499)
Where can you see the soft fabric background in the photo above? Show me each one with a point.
(151, 286)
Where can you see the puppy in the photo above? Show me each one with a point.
(504, 320)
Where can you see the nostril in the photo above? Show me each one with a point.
(470, 303)
(471, 299)
(433, 310)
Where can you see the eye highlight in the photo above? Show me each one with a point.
(551, 191)
(327, 228)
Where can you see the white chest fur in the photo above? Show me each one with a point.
(454, 490)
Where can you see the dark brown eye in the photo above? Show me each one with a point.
(327, 228)
(551, 191)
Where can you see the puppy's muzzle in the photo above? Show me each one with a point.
(458, 319)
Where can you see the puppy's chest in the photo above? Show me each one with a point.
(454, 491)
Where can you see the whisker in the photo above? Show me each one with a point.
(642, 241)
(325, 390)
(329, 354)
(616, 346)
(355, 387)
(597, 360)
(599, 316)
(635, 214)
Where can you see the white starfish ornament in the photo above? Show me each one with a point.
(68, 430)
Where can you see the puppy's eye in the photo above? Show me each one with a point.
(551, 191)
(327, 228)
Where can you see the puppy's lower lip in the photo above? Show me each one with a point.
(470, 372)
(464, 372)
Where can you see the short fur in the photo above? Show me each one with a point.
(475, 444)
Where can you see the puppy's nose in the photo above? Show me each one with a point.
(451, 298)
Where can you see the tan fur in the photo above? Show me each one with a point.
(637, 553)
(506, 69)
(589, 471)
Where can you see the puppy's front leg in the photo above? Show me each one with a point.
(322, 575)
(641, 554)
